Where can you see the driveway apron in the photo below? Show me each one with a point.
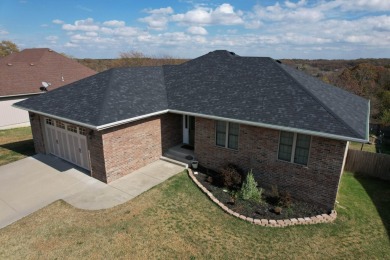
(34, 182)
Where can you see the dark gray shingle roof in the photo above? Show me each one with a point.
(219, 84)
(107, 97)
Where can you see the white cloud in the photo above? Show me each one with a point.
(365, 5)
(197, 30)
(3, 32)
(91, 34)
(295, 5)
(70, 45)
(290, 28)
(166, 10)
(222, 15)
(278, 13)
(52, 39)
(159, 18)
(57, 21)
(114, 23)
(81, 25)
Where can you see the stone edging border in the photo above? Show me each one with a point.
(324, 218)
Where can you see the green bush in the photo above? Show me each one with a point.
(249, 190)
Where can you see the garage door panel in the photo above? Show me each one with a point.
(84, 151)
(66, 144)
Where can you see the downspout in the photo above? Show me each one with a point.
(341, 173)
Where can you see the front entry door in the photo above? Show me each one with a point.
(189, 130)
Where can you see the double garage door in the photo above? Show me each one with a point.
(68, 142)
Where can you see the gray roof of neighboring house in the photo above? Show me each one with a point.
(219, 84)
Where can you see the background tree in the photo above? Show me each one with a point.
(7, 47)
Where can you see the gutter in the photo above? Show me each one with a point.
(21, 95)
(275, 127)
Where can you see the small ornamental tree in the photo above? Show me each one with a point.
(249, 190)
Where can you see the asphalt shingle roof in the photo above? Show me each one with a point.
(219, 84)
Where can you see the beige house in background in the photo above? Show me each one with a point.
(21, 77)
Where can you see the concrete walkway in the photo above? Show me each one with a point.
(34, 182)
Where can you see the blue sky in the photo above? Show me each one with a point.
(310, 29)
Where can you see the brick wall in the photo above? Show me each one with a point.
(317, 182)
(96, 155)
(131, 146)
(171, 130)
(37, 132)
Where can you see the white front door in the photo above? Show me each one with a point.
(68, 142)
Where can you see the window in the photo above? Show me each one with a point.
(294, 147)
(82, 131)
(72, 128)
(227, 134)
(59, 124)
(49, 121)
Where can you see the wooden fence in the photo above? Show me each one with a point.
(369, 164)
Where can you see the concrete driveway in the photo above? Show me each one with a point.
(34, 182)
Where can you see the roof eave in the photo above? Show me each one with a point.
(57, 117)
(21, 95)
(275, 127)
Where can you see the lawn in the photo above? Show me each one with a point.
(176, 220)
(15, 144)
(366, 147)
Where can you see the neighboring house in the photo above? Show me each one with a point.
(291, 129)
(22, 74)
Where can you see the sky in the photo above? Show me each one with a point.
(307, 29)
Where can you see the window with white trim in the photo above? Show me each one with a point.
(227, 134)
(294, 147)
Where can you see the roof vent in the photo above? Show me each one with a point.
(32, 64)
(278, 61)
(232, 53)
(50, 50)
(9, 64)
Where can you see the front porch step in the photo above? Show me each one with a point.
(185, 165)
(180, 154)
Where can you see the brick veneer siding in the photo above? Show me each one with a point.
(96, 155)
(131, 146)
(36, 122)
(257, 149)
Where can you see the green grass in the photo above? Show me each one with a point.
(176, 220)
(15, 144)
(366, 147)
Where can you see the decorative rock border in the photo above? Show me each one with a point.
(324, 218)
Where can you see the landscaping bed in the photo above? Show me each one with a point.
(271, 206)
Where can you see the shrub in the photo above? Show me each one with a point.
(249, 190)
(274, 197)
(282, 199)
(285, 199)
(231, 176)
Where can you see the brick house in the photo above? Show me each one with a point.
(291, 129)
(22, 74)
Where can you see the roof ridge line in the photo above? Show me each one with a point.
(165, 85)
(330, 111)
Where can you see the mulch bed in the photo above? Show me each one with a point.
(263, 210)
